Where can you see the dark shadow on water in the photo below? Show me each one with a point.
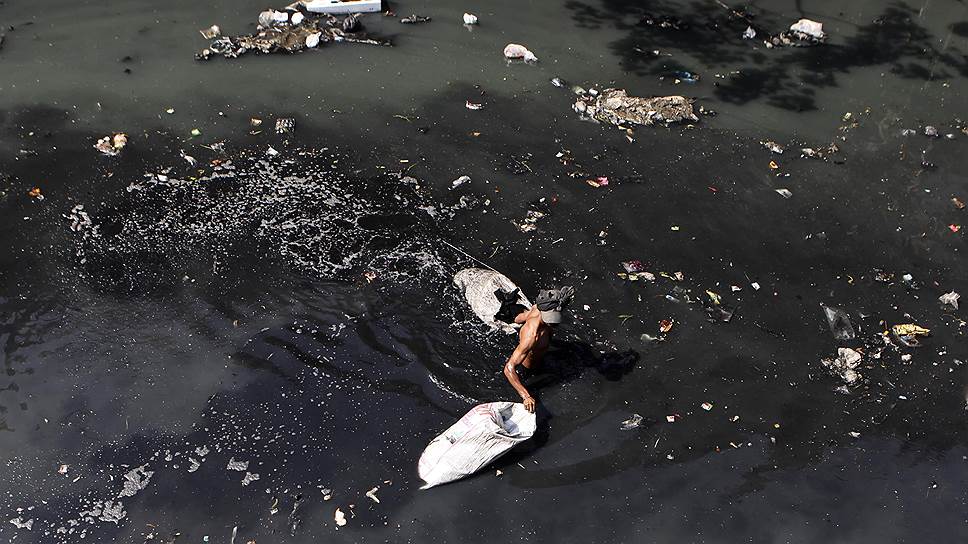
(787, 78)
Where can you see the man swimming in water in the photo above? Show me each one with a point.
(538, 325)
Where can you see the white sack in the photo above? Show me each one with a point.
(485, 433)
(478, 286)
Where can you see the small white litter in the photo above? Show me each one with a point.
(470, 19)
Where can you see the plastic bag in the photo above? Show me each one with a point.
(485, 433)
(839, 323)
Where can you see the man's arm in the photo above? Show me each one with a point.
(520, 352)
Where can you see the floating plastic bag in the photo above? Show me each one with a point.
(839, 323)
(485, 433)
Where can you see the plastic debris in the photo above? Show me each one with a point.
(517, 51)
(35, 193)
(597, 182)
(950, 299)
(485, 433)
(954, 228)
(785, 193)
(196, 133)
(682, 76)
(749, 33)
(188, 158)
(801, 34)
(62, 469)
(665, 325)
(839, 323)
(616, 107)
(339, 517)
(460, 181)
(530, 221)
(707, 406)
(211, 32)
(633, 266)
(931, 132)
(633, 422)
(470, 19)
(671, 418)
(112, 145)
(473, 105)
(908, 334)
(415, 19)
(845, 364)
(773, 146)
(372, 494)
(285, 125)
(958, 203)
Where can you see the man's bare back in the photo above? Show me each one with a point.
(533, 341)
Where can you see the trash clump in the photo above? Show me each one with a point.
(844, 365)
(289, 31)
(839, 323)
(485, 433)
(415, 19)
(616, 107)
(112, 145)
(470, 19)
(803, 33)
(493, 298)
(633, 422)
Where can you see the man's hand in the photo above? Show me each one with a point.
(529, 404)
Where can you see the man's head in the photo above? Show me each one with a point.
(551, 303)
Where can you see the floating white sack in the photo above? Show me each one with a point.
(485, 433)
(478, 286)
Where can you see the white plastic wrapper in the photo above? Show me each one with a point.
(478, 286)
(518, 51)
(485, 433)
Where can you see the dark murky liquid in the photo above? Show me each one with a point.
(238, 347)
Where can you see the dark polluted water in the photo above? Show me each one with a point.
(231, 346)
